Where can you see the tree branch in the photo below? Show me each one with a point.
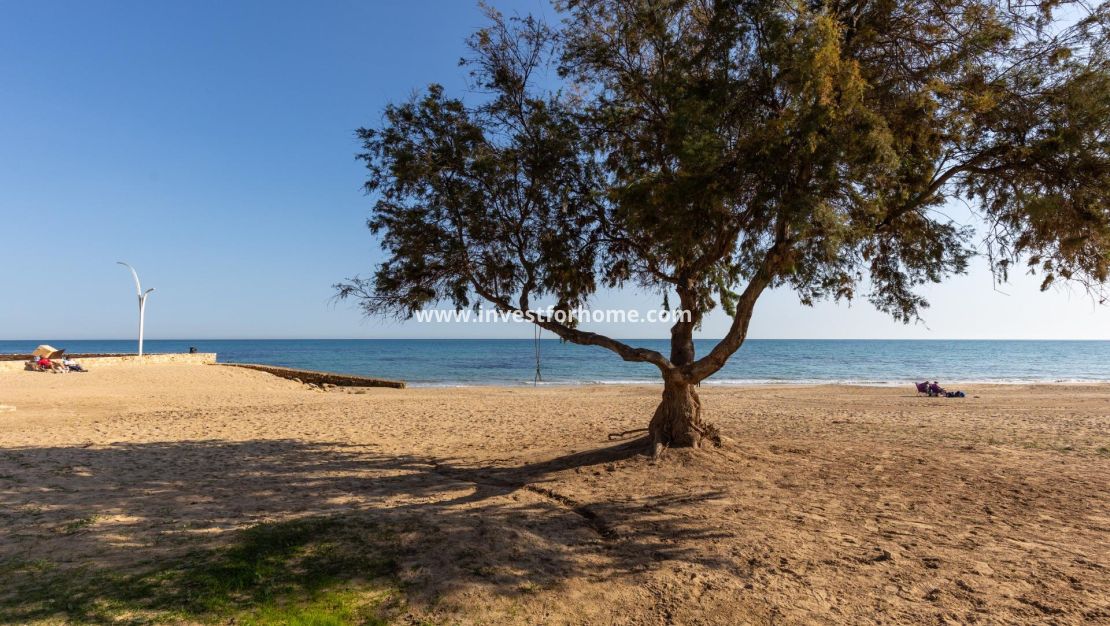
(775, 259)
(573, 335)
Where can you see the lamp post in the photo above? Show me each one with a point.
(142, 304)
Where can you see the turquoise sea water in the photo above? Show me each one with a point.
(511, 361)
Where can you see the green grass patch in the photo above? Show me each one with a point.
(22, 566)
(78, 524)
(316, 572)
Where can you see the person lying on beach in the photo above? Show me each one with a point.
(44, 364)
(72, 365)
(936, 391)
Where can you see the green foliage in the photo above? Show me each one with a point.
(315, 572)
(494, 198)
(715, 149)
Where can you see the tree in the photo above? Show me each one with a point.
(712, 149)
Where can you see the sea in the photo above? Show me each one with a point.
(475, 362)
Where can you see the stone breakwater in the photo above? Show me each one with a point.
(312, 377)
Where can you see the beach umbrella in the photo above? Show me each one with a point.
(49, 352)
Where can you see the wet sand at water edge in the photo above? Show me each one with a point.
(511, 506)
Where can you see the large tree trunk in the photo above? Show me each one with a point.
(682, 333)
(677, 422)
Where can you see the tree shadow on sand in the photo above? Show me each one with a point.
(252, 530)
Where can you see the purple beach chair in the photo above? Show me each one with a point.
(922, 387)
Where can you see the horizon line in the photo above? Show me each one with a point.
(557, 338)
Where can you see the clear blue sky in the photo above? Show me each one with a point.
(210, 144)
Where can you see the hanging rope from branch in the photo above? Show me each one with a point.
(538, 378)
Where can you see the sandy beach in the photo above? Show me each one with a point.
(511, 506)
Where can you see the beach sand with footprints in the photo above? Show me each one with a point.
(190, 493)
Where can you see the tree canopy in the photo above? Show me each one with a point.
(712, 149)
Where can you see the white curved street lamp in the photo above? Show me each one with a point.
(142, 303)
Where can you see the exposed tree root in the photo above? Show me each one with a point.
(625, 433)
(712, 434)
(591, 517)
(593, 520)
(657, 450)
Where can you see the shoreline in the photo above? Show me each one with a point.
(457, 363)
(626, 383)
(756, 384)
